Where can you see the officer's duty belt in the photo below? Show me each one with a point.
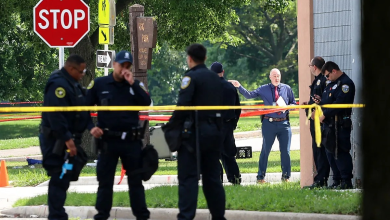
(274, 119)
(133, 134)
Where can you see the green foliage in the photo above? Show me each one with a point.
(27, 60)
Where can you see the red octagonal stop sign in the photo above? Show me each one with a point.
(61, 23)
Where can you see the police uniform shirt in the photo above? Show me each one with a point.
(267, 93)
(105, 91)
(62, 90)
(317, 87)
(230, 98)
(199, 87)
(341, 91)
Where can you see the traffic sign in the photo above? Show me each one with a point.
(61, 23)
(106, 35)
(107, 13)
(105, 58)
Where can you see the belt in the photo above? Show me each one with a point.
(135, 133)
(274, 119)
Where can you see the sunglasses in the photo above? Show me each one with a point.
(80, 71)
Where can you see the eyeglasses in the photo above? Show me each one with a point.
(80, 71)
(327, 76)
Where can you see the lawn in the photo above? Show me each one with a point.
(23, 175)
(23, 134)
(284, 197)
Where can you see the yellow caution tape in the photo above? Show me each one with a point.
(318, 110)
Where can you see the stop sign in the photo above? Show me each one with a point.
(61, 23)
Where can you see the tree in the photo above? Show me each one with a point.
(375, 50)
(262, 39)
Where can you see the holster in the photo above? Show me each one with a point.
(329, 138)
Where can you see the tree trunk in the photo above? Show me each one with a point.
(86, 50)
(376, 150)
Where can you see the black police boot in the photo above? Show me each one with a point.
(335, 185)
(317, 185)
(346, 184)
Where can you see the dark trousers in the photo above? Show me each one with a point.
(320, 158)
(342, 166)
(130, 153)
(229, 151)
(282, 131)
(188, 183)
(57, 187)
(57, 196)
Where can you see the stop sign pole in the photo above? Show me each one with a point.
(61, 23)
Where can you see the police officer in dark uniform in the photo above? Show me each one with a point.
(319, 154)
(118, 134)
(230, 119)
(200, 87)
(61, 130)
(337, 124)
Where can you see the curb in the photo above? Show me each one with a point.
(88, 212)
(172, 179)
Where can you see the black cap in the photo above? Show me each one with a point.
(216, 67)
(123, 56)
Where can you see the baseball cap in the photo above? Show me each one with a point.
(123, 56)
(216, 67)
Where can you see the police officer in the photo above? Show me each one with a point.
(118, 134)
(200, 87)
(319, 154)
(275, 124)
(337, 124)
(230, 119)
(61, 130)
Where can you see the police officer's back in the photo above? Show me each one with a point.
(337, 124)
(61, 130)
(230, 120)
(118, 134)
(200, 87)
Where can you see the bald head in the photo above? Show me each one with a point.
(275, 76)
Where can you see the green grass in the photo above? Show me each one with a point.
(285, 197)
(253, 123)
(27, 176)
(19, 134)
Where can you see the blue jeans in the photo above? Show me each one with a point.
(282, 131)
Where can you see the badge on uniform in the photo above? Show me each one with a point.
(327, 82)
(91, 84)
(345, 88)
(141, 84)
(318, 82)
(330, 94)
(185, 82)
(60, 92)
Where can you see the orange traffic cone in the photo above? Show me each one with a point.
(123, 171)
(3, 175)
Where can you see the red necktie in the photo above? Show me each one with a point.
(277, 96)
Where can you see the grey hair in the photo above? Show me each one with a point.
(274, 70)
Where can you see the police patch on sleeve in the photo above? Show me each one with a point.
(141, 84)
(60, 92)
(345, 88)
(91, 84)
(185, 82)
